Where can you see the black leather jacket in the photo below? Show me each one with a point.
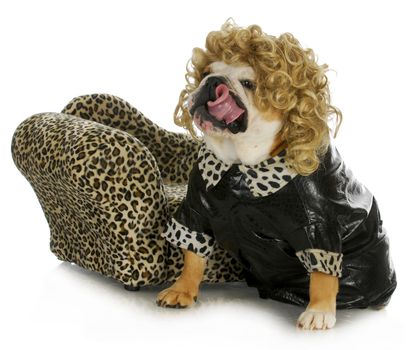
(280, 226)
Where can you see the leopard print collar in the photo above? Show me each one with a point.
(262, 179)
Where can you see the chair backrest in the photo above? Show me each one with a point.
(175, 153)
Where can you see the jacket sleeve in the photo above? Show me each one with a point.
(189, 227)
(317, 257)
(335, 204)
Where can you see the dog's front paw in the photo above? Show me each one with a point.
(175, 297)
(311, 319)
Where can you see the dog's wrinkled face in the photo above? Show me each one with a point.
(223, 99)
(222, 108)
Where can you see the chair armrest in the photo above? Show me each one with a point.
(101, 192)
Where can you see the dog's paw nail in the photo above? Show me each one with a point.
(195, 299)
(316, 320)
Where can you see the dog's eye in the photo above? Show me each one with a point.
(247, 84)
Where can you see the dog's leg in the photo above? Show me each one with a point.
(185, 290)
(321, 311)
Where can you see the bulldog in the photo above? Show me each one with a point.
(270, 187)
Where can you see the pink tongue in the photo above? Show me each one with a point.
(224, 107)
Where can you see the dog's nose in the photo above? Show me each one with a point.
(212, 83)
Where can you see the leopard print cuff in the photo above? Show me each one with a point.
(322, 261)
(181, 236)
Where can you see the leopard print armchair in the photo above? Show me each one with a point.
(108, 179)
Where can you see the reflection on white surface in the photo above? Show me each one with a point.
(75, 307)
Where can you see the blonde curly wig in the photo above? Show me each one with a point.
(288, 80)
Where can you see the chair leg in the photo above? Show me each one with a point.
(263, 294)
(132, 288)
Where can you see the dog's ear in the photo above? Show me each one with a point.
(198, 56)
(199, 62)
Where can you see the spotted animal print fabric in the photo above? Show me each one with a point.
(108, 180)
(262, 179)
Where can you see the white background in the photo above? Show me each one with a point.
(52, 51)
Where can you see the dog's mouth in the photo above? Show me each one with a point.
(218, 107)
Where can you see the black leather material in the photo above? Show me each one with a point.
(328, 210)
